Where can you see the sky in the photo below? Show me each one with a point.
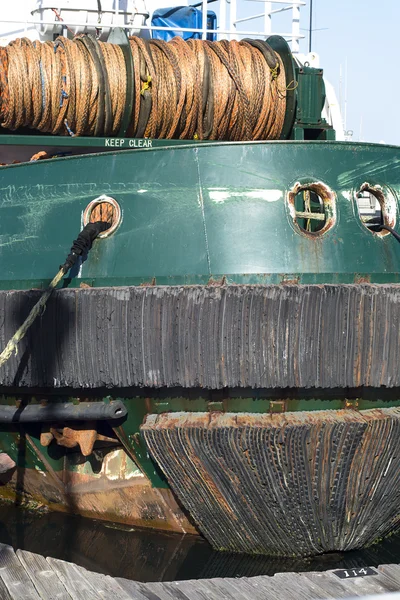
(367, 35)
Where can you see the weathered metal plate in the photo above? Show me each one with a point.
(283, 484)
(106, 486)
(273, 336)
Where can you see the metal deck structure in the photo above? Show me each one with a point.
(28, 576)
(236, 19)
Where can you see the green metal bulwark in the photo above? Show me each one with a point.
(194, 214)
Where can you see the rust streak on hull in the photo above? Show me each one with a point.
(111, 495)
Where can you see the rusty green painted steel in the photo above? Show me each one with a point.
(130, 437)
(22, 443)
(195, 212)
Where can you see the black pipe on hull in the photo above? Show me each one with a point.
(66, 411)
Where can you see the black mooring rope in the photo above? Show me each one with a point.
(83, 243)
(377, 224)
(80, 247)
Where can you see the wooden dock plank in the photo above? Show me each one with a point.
(123, 591)
(45, 580)
(236, 589)
(106, 586)
(331, 584)
(16, 580)
(135, 589)
(357, 586)
(211, 591)
(27, 576)
(161, 591)
(4, 593)
(193, 590)
(273, 588)
(255, 591)
(391, 571)
(295, 585)
(77, 584)
(374, 584)
(228, 589)
(214, 591)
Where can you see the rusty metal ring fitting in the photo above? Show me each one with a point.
(117, 214)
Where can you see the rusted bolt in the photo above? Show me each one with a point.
(277, 406)
(214, 406)
(351, 404)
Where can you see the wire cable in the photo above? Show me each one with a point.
(194, 89)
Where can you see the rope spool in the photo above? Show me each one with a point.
(194, 89)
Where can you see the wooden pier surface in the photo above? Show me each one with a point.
(28, 576)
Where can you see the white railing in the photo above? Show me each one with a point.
(267, 16)
(228, 24)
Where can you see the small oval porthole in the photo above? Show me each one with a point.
(376, 207)
(104, 209)
(312, 207)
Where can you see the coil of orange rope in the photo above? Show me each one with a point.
(226, 90)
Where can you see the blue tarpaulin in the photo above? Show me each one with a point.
(185, 17)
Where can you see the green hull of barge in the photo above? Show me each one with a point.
(218, 216)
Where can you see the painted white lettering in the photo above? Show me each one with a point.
(107, 142)
(136, 143)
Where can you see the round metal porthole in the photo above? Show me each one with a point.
(312, 207)
(376, 207)
(105, 209)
